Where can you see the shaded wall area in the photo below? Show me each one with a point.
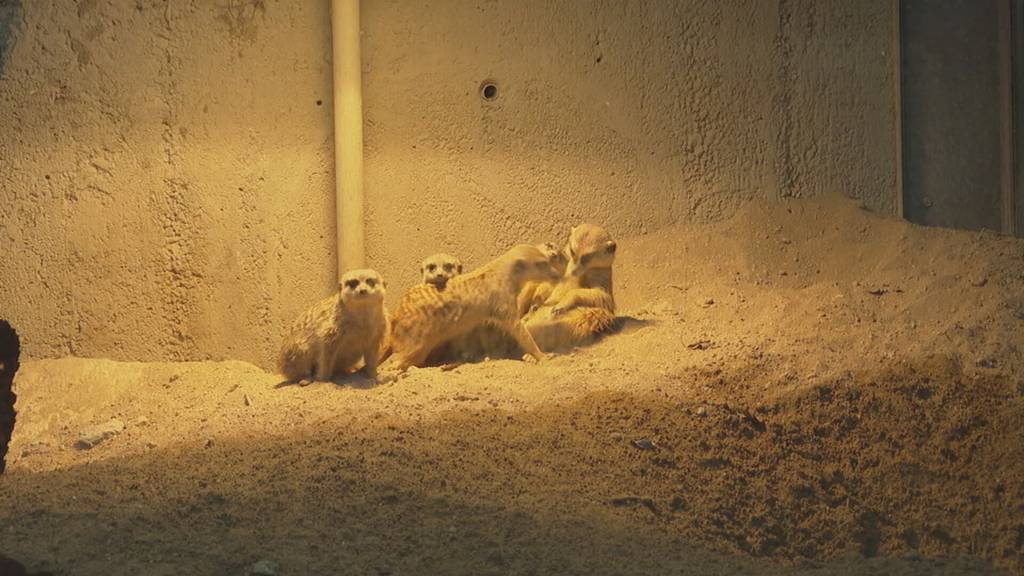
(168, 179)
(166, 175)
(634, 114)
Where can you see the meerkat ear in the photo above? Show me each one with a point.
(459, 269)
(610, 247)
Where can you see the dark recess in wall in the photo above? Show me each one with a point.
(9, 10)
(9, 352)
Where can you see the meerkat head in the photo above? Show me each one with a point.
(439, 269)
(361, 287)
(530, 264)
(554, 255)
(589, 247)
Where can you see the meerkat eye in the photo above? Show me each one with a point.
(448, 267)
(431, 267)
(351, 284)
(371, 282)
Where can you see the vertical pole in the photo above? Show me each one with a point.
(897, 58)
(348, 134)
(1007, 88)
(1016, 106)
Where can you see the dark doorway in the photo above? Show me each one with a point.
(957, 113)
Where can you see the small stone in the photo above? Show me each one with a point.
(700, 345)
(979, 282)
(91, 436)
(264, 568)
(34, 449)
(708, 303)
(702, 411)
(143, 421)
(247, 400)
(209, 443)
(151, 444)
(643, 444)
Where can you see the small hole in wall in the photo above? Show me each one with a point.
(489, 90)
(319, 102)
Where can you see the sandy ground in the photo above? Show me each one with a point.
(805, 388)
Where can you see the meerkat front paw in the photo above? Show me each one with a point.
(560, 310)
(544, 357)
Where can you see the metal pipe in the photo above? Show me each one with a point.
(348, 135)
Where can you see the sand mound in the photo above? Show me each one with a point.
(803, 388)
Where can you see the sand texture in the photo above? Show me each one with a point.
(804, 388)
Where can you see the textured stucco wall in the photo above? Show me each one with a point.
(165, 175)
(167, 179)
(631, 113)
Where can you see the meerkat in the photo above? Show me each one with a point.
(489, 341)
(427, 318)
(534, 294)
(438, 269)
(335, 335)
(582, 304)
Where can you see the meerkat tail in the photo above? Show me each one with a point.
(585, 322)
(575, 327)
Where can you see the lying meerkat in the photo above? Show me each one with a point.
(332, 337)
(582, 304)
(427, 318)
(438, 269)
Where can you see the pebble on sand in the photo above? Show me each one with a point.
(90, 436)
(264, 568)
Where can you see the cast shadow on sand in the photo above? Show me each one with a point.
(722, 484)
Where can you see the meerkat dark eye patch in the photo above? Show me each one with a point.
(431, 267)
(351, 284)
(448, 267)
(371, 282)
(586, 258)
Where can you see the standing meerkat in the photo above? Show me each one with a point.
(582, 304)
(332, 337)
(438, 269)
(427, 318)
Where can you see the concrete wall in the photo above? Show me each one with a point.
(164, 175)
(166, 180)
(635, 114)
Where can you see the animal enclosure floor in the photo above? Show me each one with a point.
(803, 388)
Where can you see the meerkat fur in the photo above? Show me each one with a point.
(427, 318)
(582, 304)
(489, 341)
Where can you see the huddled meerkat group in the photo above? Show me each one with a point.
(532, 300)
